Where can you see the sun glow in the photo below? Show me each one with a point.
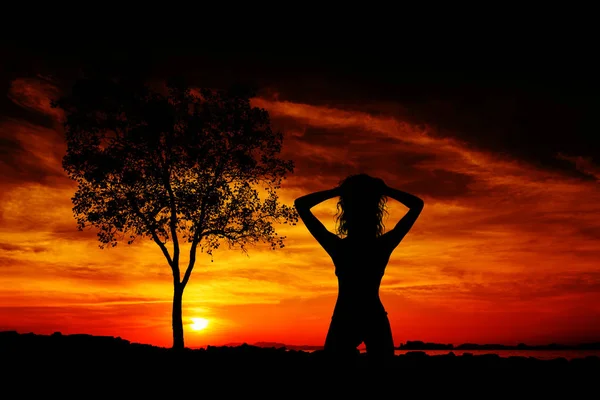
(199, 324)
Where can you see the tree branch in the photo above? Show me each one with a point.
(199, 227)
(150, 228)
(173, 226)
(190, 267)
(231, 235)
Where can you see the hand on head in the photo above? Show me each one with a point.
(362, 184)
(380, 184)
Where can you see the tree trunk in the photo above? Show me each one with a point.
(176, 318)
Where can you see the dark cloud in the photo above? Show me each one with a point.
(93, 273)
(520, 289)
(67, 230)
(30, 153)
(19, 165)
(112, 315)
(11, 150)
(584, 165)
(503, 99)
(330, 154)
(440, 184)
(35, 94)
(9, 247)
(590, 232)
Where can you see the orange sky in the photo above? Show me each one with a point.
(503, 252)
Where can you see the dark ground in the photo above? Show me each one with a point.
(82, 363)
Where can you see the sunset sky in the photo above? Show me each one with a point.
(506, 250)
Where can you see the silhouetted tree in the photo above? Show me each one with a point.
(173, 164)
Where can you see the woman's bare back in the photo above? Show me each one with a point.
(359, 267)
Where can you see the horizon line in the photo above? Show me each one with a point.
(266, 342)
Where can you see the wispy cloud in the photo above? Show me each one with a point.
(583, 164)
(35, 94)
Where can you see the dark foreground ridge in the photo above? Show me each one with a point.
(86, 348)
(106, 358)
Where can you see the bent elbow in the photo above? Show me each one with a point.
(418, 203)
(298, 203)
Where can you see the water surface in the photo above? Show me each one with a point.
(539, 354)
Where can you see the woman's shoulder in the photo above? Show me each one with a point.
(361, 242)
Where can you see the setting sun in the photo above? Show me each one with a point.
(199, 324)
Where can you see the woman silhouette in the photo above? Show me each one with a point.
(360, 255)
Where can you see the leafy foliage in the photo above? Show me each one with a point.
(173, 163)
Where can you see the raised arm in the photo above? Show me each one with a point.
(415, 206)
(315, 227)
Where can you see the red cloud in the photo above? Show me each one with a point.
(35, 94)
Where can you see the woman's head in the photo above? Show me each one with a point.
(361, 206)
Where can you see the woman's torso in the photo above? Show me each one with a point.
(359, 267)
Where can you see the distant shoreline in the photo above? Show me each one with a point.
(409, 345)
(419, 345)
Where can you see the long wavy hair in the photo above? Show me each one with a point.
(362, 205)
